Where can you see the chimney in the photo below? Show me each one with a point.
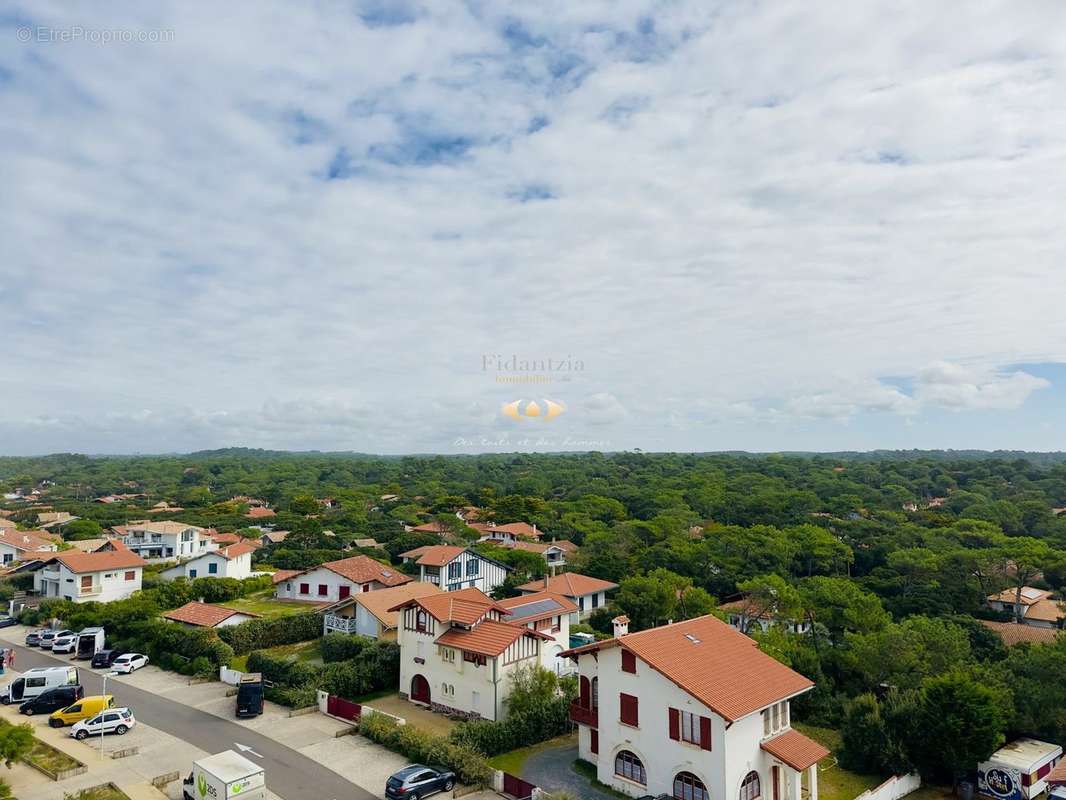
(621, 626)
(545, 581)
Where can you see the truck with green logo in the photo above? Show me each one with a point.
(225, 776)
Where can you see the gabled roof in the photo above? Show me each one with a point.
(489, 638)
(162, 526)
(1012, 633)
(434, 555)
(357, 569)
(1046, 610)
(1030, 596)
(225, 538)
(27, 541)
(204, 614)
(98, 561)
(378, 603)
(234, 550)
(463, 606)
(534, 607)
(519, 529)
(569, 584)
(717, 665)
(795, 749)
(258, 512)
(284, 574)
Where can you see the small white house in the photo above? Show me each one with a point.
(336, 580)
(368, 614)
(16, 545)
(234, 561)
(199, 614)
(164, 541)
(452, 568)
(102, 576)
(586, 592)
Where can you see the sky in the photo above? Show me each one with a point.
(398, 227)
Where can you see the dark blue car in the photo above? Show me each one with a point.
(417, 781)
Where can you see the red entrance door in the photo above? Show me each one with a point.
(419, 689)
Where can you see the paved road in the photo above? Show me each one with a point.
(289, 773)
(552, 769)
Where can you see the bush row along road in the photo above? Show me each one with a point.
(289, 773)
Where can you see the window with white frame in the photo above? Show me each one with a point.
(775, 718)
(690, 727)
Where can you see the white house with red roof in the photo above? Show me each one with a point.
(452, 567)
(458, 655)
(16, 545)
(336, 580)
(549, 614)
(508, 533)
(102, 576)
(234, 561)
(198, 614)
(587, 592)
(692, 710)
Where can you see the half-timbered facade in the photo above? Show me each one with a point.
(457, 655)
(451, 568)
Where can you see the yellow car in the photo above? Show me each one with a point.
(83, 709)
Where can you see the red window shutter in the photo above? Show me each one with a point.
(594, 740)
(629, 709)
(705, 733)
(675, 724)
(585, 692)
(629, 662)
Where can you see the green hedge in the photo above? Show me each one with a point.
(343, 646)
(259, 634)
(426, 748)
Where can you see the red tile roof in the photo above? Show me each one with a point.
(519, 529)
(569, 584)
(27, 540)
(235, 550)
(717, 665)
(464, 606)
(258, 512)
(364, 569)
(562, 605)
(282, 574)
(98, 561)
(795, 749)
(225, 538)
(1012, 633)
(378, 603)
(203, 614)
(1058, 774)
(488, 638)
(434, 555)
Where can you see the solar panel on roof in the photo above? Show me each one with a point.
(539, 607)
(1031, 593)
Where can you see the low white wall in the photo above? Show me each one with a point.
(230, 676)
(894, 788)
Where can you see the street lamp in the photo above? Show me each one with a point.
(104, 694)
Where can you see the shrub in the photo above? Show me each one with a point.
(342, 646)
(258, 634)
(293, 696)
(426, 748)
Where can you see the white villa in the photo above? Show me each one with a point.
(165, 541)
(336, 580)
(692, 710)
(368, 614)
(16, 545)
(102, 576)
(457, 656)
(452, 568)
(586, 592)
(549, 614)
(234, 561)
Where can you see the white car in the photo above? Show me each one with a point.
(113, 720)
(48, 638)
(65, 643)
(128, 662)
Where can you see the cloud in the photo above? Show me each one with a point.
(304, 228)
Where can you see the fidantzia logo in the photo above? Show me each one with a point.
(531, 409)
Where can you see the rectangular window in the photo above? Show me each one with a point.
(86, 581)
(629, 662)
(473, 566)
(212, 568)
(628, 707)
(581, 604)
(344, 591)
(323, 590)
(475, 658)
(690, 728)
(475, 700)
(447, 655)
(192, 573)
(305, 588)
(594, 740)
(595, 601)
(131, 575)
(455, 570)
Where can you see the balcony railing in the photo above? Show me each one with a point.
(339, 624)
(86, 590)
(584, 716)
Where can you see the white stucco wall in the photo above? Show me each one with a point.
(289, 589)
(239, 567)
(112, 584)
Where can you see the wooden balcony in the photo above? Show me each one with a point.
(584, 716)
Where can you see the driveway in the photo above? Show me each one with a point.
(552, 770)
(289, 773)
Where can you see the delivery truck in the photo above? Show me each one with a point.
(224, 776)
(90, 642)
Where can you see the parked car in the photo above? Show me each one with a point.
(105, 658)
(114, 720)
(7, 622)
(47, 636)
(52, 700)
(65, 643)
(83, 709)
(33, 638)
(416, 781)
(128, 662)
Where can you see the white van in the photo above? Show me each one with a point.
(36, 681)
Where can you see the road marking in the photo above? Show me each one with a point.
(246, 749)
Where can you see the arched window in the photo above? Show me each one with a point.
(595, 693)
(422, 621)
(750, 787)
(688, 787)
(584, 692)
(628, 766)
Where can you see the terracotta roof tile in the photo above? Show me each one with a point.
(569, 584)
(1046, 611)
(489, 638)
(203, 614)
(235, 550)
(795, 749)
(258, 512)
(100, 560)
(717, 665)
(27, 540)
(364, 569)
(283, 574)
(1029, 595)
(1057, 776)
(378, 603)
(1012, 633)
(465, 606)
(434, 555)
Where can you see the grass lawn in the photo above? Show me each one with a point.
(310, 652)
(587, 770)
(107, 791)
(513, 761)
(46, 756)
(835, 782)
(265, 605)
